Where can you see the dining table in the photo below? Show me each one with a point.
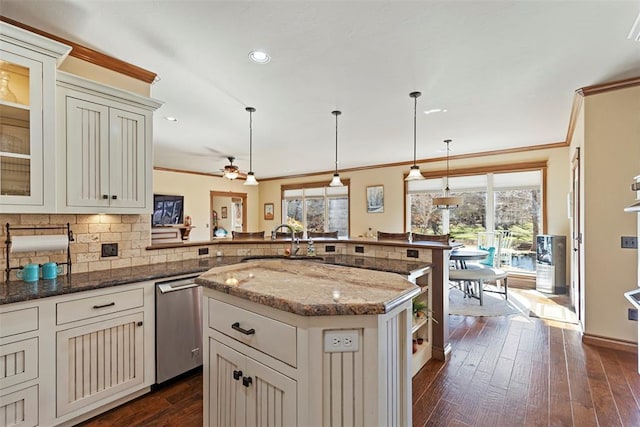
(461, 255)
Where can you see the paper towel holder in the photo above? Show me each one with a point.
(7, 242)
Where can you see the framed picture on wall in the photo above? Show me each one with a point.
(268, 211)
(375, 199)
(223, 212)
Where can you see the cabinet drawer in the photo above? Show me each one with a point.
(85, 308)
(270, 336)
(20, 408)
(18, 362)
(18, 321)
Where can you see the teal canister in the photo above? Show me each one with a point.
(29, 273)
(50, 270)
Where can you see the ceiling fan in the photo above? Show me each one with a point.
(232, 171)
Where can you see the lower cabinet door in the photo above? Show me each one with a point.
(271, 397)
(226, 392)
(20, 408)
(99, 360)
(244, 392)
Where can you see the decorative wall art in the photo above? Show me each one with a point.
(375, 199)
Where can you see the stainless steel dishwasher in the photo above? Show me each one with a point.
(178, 327)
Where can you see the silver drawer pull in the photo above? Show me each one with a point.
(111, 304)
(237, 327)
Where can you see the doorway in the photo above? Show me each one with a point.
(228, 211)
(575, 289)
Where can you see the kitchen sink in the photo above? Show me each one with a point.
(295, 257)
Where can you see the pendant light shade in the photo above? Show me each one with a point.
(414, 171)
(446, 201)
(251, 178)
(335, 182)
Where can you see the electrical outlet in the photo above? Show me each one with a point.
(203, 251)
(629, 242)
(632, 314)
(336, 341)
(329, 248)
(412, 253)
(109, 249)
(359, 249)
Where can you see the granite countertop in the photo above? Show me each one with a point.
(17, 291)
(311, 288)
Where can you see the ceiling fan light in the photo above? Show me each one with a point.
(414, 174)
(335, 182)
(230, 173)
(251, 179)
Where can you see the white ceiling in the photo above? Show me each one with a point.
(505, 71)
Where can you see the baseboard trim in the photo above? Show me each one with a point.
(613, 344)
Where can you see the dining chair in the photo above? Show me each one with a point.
(417, 237)
(322, 234)
(237, 235)
(285, 235)
(477, 275)
(393, 236)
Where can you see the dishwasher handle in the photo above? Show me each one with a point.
(166, 287)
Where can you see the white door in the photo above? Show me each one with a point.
(227, 395)
(127, 159)
(236, 214)
(271, 398)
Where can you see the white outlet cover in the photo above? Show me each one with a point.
(340, 341)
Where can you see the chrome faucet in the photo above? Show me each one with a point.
(295, 242)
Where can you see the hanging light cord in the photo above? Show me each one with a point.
(415, 106)
(250, 110)
(336, 113)
(446, 188)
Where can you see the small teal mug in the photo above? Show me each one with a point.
(50, 270)
(29, 273)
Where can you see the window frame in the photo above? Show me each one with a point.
(321, 184)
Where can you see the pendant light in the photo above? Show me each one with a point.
(335, 182)
(447, 201)
(251, 179)
(414, 171)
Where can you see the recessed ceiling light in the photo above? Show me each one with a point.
(435, 110)
(259, 57)
(170, 119)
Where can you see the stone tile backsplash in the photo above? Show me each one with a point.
(132, 233)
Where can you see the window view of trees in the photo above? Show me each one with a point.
(317, 209)
(509, 201)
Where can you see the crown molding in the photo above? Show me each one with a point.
(92, 56)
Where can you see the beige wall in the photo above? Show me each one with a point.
(392, 220)
(195, 189)
(610, 160)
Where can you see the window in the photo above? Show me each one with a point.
(509, 200)
(316, 207)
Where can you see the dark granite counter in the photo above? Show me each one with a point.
(17, 291)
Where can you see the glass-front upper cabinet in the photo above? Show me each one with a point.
(27, 116)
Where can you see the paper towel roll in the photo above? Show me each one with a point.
(39, 243)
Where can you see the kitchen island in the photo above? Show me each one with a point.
(305, 343)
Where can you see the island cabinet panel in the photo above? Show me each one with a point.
(368, 384)
(245, 392)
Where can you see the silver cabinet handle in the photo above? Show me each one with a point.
(166, 288)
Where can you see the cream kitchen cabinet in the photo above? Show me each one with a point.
(27, 136)
(102, 347)
(19, 376)
(105, 148)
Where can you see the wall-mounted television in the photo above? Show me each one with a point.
(167, 210)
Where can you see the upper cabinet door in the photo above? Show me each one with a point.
(87, 153)
(127, 155)
(27, 137)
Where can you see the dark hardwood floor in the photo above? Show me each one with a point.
(504, 371)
